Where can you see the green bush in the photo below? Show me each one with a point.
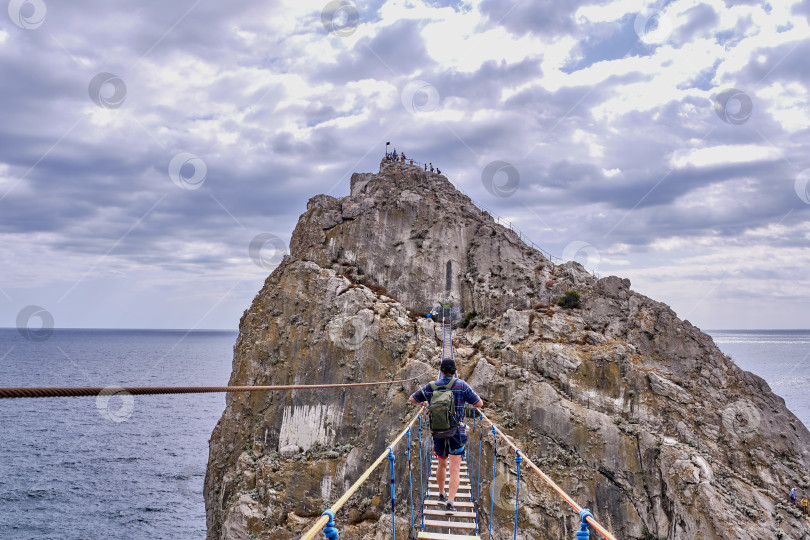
(569, 300)
(470, 316)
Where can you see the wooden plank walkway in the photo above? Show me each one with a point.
(458, 525)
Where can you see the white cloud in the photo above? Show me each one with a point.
(766, 32)
(591, 142)
(722, 155)
(610, 12)
(787, 104)
(272, 89)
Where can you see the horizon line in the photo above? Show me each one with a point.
(237, 330)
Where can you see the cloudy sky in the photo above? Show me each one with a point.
(147, 150)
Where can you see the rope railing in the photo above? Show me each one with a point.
(329, 515)
(24, 392)
(498, 219)
(585, 515)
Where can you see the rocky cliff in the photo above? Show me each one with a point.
(636, 413)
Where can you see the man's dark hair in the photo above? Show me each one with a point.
(448, 366)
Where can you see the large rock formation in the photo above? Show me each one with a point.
(636, 413)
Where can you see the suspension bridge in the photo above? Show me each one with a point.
(428, 517)
(431, 519)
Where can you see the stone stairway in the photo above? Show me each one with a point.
(459, 525)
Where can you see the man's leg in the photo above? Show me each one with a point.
(441, 474)
(455, 476)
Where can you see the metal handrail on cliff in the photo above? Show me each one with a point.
(329, 516)
(584, 514)
(24, 392)
(497, 219)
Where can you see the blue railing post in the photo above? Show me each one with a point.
(480, 439)
(478, 482)
(582, 533)
(391, 459)
(470, 445)
(330, 531)
(494, 465)
(518, 460)
(421, 484)
(410, 482)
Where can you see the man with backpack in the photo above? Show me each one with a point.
(445, 399)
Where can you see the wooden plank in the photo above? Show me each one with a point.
(424, 535)
(449, 524)
(462, 494)
(457, 513)
(435, 480)
(458, 504)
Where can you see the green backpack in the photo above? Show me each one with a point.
(442, 409)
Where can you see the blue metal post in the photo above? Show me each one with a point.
(410, 482)
(492, 494)
(421, 484)
(470, 455)
(330, 531)
(480, 439)
(582, 533)
(391, 459)
(421, 468)
(518, 460)
(478, 483)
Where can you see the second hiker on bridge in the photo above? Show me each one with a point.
(446, 399)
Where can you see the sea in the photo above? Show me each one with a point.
(133, 468)
(108, 468)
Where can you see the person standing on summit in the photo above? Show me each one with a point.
(446, 398)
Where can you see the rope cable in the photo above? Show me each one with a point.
(593, 523)
(321, 523)
(24, 392)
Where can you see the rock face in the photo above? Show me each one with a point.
(634, 412)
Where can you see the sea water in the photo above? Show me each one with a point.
(90, 468)
(781, 357)
(114, 468)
